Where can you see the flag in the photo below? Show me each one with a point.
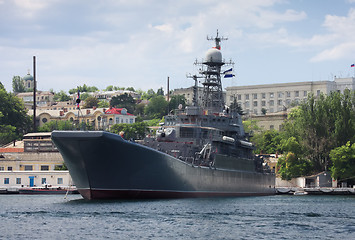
(352, 65)
(228, 73)
(78, 100)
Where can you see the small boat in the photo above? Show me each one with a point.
(47, 189)
(283, 190)
(300, 193)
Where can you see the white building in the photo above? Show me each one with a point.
(32, 162)
(279, 96)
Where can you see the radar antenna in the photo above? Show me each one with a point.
(217, 40)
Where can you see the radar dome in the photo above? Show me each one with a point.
(213, 55)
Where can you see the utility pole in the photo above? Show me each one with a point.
(34, 94)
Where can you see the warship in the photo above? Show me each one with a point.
(200, 151)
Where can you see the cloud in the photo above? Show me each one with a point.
(29, 8)
(340, 40)
(131, 42)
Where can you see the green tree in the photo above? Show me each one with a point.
(14, 121)
(123, 101)
(61, 97)
(235, 107)
(83, 89)
(157, 107)
(148, 95)
(109, 88)
(103, 104)
(267, 142)
(291, 166)
(343, 163)
(18, 85)
(160, 92)
(7, 133)
(84, 96)
(176, 100)
(251, 126)
(130, 89)
(91, 102)
(139, 109)
(322, 124)
(135, 130)
(57, 125)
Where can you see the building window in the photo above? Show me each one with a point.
(131, 120)
(44, 120)
(271, 110)
(255, 103)
(9, 168)
(117, 120)
(44, 181)
(239, 97)
(255, 96)
(305, 93)
(110, 121)
(297, 93)
(247, 96)
(6, 180)
(279, 102)
(271, 102)
(318, 93)
(271, 95)
(18, 180)
(271, 127)
(2, 168)
(246, 104)
(60, 181)
(45, 168)
(288, 94)
(263, 95)
(288, 102)
(255, 111)
(28, 167)
(263, 103)
(280, 94)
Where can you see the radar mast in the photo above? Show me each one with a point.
(212, 99)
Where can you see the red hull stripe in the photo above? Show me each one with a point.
(143, 194)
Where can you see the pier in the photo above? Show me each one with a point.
(315, 191)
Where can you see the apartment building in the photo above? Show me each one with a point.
(278, 97)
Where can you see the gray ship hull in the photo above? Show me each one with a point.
(105, 166)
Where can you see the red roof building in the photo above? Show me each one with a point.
(119, 115)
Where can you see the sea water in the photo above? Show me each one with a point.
(271, 217)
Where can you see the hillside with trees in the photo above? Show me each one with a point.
(309, 135)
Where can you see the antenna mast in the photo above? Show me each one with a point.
(217, 40)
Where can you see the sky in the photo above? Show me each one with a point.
(140, 43)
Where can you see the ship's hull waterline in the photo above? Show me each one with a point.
(105, 166)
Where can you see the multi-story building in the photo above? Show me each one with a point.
(188, 93)
(272, 98)
(98, 118)
(43, 98)
(35, 161)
